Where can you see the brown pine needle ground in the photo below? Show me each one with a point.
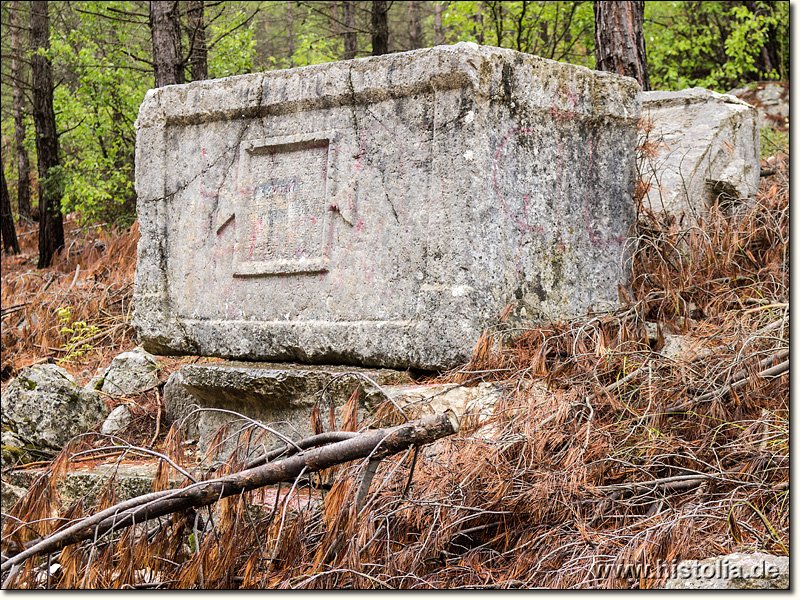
(602, 454)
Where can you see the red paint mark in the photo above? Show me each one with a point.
(558, 113)
(522, 224)
(360, 225)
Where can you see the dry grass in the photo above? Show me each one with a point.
(88, 290)
(602, 452)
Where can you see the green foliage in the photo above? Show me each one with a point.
(96, 105)
(556, 30)
(717, 45)
(234, 52)
(76, 334)
(773, 141)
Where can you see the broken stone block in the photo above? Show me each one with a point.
(45, 407)
(130, 373)
(178, 403)
(710, 150)
(281, 396)
(382, 211)
(771, 99)
(117, 421)
(424, 400)
(86, 482)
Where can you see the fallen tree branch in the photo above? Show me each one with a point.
(373, 443)
(775, 371)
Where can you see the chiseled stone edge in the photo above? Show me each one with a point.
(363, 80)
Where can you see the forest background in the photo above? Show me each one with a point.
(635, 455)
(102, 57)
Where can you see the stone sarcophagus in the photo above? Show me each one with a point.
(381, 211)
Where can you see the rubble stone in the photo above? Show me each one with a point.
(44, 406)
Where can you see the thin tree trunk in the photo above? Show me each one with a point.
(166, 31)
(380, 27)
(10, 242)
(438, 30)
(619, 45)
(350, 34)
(290, 31)
(414, 28)
(198, 52)
(23, 162)
(51, 224)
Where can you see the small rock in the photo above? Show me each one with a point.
(424, 400)
(117, 421)
(683, 347)
(738, 571)
(44, 406)
(9, 494)
(13, 449)
(130, 373)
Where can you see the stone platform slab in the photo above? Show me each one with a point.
(282, 396)
(382, 211)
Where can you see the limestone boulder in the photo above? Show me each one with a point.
(130, 373)
(382, 211)
(709, 150)
(738, 571)
(419, 401)
(44, 406)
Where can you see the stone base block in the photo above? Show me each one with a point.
(279, 395)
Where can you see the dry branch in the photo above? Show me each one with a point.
(735, 384)
(374, 444)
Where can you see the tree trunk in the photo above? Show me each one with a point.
(10, 243)
(619, 39)
(350, 34)
(166, 31)
(380, 28)
(414, 29)
(198, 52)
(290, 31)
(23, 163)
(438, 30)
(51, 224)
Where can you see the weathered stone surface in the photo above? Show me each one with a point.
(45, 407)
(381, 211)
(129, 481)
(12, 450)
(9, 494)
(685, 348)
(738, 571)
(711, 150)
(178, 403)
(423, 400)
(771, 99)
(117, 421)
(130, 373)
(282, 396)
